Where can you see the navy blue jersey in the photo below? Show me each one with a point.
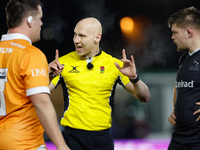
(187, 130)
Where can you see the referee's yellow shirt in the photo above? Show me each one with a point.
(89, 93)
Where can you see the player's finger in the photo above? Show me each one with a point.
(172, 121)
(198, 118)
(197, 103)
(196, 112)
(173, 116)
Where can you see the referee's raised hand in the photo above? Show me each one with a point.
(55, 67)
(128, 68)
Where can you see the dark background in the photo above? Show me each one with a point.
(152, 48)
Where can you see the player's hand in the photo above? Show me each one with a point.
(197, 112)
(172, 119)
(55, 66)
(128, 68)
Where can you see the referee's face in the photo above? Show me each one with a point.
(85, 39)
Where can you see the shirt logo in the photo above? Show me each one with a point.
(195, 67)
(74, 70)
(102, 69)
(182, 84)
(38, 72)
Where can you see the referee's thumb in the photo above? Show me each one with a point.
(117, 65)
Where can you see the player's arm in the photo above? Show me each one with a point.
(52, 86)
(172, 117)
(47, 116)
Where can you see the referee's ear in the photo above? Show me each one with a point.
(97, 38)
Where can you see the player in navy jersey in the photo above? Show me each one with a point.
(185, 26)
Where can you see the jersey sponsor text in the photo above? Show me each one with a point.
(18, 45)
(182, 84)
(38, 72)
(6, 50)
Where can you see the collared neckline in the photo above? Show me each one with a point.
(12, 36)
(194, 52)
(89, 60)
(100, 50)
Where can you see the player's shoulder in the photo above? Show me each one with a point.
(33, 53)
(182, 58)
(33, 50)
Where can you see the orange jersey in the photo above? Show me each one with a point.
(23, 72)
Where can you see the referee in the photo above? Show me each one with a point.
(89, 79)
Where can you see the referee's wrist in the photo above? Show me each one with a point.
(51, 75)
(135, 80)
